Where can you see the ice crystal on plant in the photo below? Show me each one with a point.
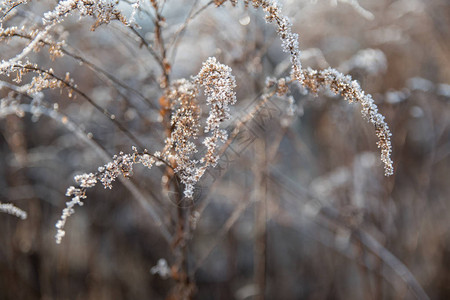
(178, 153)
(185, 121)
(77, 195)
(289, 39)
(135, 6)
(219, 84)
(122, 164)
(352, 92)
(103, 11)
(161, 268)
(373, 61)
(12, 210)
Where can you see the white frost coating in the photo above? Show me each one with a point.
(10, 209)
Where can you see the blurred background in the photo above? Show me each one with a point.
(297, 207)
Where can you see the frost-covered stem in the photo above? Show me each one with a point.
(102, 10)
(74, 88)
(352, 92)
(284, 28)
(12, 210)
(260, 221)
(11, 7)
(91, 65)
(218, 83)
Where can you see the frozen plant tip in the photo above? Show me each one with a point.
(12, 210)
(179, 150)
(289, 39)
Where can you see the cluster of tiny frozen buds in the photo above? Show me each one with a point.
(10, 209)
(218, 84)
(329, 78)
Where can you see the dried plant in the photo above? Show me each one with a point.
(183, 126)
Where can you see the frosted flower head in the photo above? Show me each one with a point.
(218, 83)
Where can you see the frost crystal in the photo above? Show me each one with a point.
(12, 210)
(352, 92)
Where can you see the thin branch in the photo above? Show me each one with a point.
(18, 3)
